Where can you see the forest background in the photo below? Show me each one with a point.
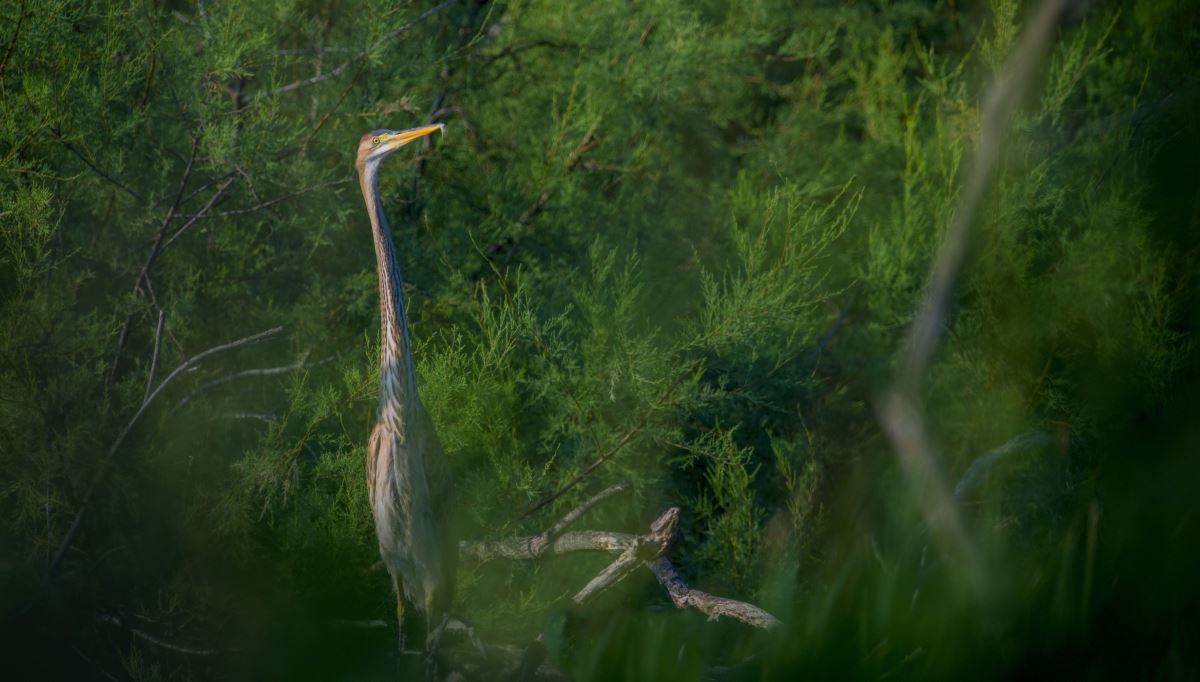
(684, 240)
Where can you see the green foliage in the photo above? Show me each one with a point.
(668, 244)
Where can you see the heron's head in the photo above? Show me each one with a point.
(377, 144)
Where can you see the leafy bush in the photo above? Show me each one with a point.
(680, 240)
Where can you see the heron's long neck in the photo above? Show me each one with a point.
(397, 377)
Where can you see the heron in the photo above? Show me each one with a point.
(408, 476)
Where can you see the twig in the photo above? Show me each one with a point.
(12, 42)
(162, 316)
(979, 469)
(904, 423)
(314, 50)
(268, 203)
(158, 641)
(155, 248)
(94, 664)
(116, 183)
(191, 651)
(192, 220)
(112, 366)
(262, 372)
(834, 328)
(591, 467)
(372, 624)
(73, 530)
(256, 416)
(359, 56)
(436, 110)
(579, 511)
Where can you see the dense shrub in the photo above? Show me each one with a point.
(684, 238)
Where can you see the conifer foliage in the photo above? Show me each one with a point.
(674, 246)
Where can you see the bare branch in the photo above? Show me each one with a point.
(94, 664)
(341, 68)
(192, 220)
(649, 549)
(712, 606)
(246, 373)
(979, 469)
(315, 50)
(73, 530)
(582, 509)
(112, 366)
(12, 42)
(162, 316)
(268, 203)
(591, 467)
(613, 573)
(113, 181)
(158, 641)
(155, 248)
(528, 548)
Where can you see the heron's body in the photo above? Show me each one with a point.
(411, 488)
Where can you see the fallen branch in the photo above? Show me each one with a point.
(712, 606)
(649, 550)
(650, 547)
(529, 548)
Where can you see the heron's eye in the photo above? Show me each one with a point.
(375, 142)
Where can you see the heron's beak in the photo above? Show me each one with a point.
(405, 136)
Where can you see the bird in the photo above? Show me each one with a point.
(409, 480)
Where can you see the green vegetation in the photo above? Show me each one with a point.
(683, 238)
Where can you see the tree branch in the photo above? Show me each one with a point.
(268, 203)
(73, 530)
(158, 641)
(12, 42)
(162, 316)
(359, 56)
(712, 606)
(591, 467)
(113, 181)
(649, 549)
(260, 372)
(192, 220)
(155, 248)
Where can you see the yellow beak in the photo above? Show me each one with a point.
(405, 136)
